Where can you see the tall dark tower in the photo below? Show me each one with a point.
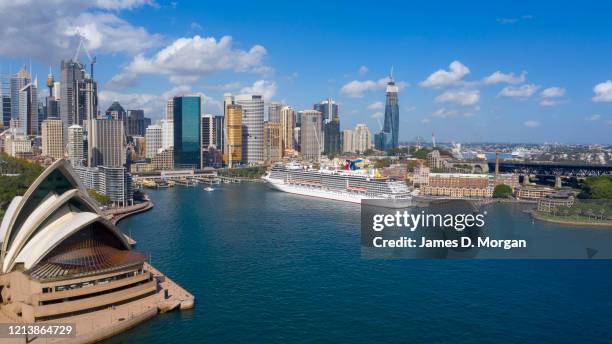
(390, 134)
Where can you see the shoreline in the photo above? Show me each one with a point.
(539, 217)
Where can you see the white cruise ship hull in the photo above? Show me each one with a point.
(337, 196)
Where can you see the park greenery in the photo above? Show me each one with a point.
(102, 199)
(502, 191)
(16, 175)
(244, 172)
(597, 187)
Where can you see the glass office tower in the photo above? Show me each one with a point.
(186, 113)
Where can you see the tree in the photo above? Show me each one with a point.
(597, 187)
(502, 191)
(102, 199)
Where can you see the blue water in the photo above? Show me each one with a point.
(270, 267)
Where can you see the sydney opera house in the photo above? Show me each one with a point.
(60, 257)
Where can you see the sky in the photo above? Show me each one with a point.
(478, 71)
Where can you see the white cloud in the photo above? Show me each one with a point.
(443, 78)
(123, 4)
(377, 114)
(603, 92)
(460, 97)
(51, 32)
(521, 92)
(553, 92)
(550, 96)
(506, 78)
(531, 124)
(376, 106)
(188, 59)
(265, 88)
(593, 118)
(363, 70)
(425, 120)
(356, 89)
(444, 113)
(121, 81)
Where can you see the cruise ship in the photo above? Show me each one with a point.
(341, 185)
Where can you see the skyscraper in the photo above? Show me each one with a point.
(52, 132)
(362, 138)
(116, 111)
(78, 94)
(274, 112)
(167, 133)
(210, 153)
(332, 140)
(328, 108)
(232, 153)
(390, 133)
(28, 109)
(169, 109)
(153, 139)
(219, 132)
(272, 143)
(18, 82)
(5, 102)
(252, 120)
(136, 123)
(287, 126)
(75, 145)
(310, 133)
(106, 142)
(186, 118)
(347, 141)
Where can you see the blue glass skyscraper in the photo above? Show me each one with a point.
(186, 113)
(390, 134)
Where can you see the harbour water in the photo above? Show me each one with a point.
(267, 267)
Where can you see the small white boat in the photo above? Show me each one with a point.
(209, 189)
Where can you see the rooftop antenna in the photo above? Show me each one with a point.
(433, 140)
(391, 74)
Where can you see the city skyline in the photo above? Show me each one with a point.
(461, 71)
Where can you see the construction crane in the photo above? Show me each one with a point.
(92, 60)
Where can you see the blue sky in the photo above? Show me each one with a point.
(480, 71)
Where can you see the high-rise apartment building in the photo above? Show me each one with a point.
(211, 155)
(347, 141)
(169, 109)
(153, 140)
(232, 153)
(287, 124)
(106, 142)
(167, 133)
(274, 112)
(186, 118)
(75, 145)
(310, 133)
(362, 138)
(273, 151)
(52, 135)
(252, 120)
